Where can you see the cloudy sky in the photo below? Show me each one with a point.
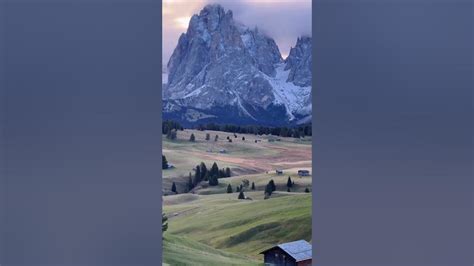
(283, 20)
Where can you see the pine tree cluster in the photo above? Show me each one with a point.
(201, 173)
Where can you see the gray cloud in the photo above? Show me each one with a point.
(283, 20)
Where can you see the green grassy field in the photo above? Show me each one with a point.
(181, 251)
(212, 227)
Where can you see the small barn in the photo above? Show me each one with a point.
(297, 253)
(303, 172)
(279, 171)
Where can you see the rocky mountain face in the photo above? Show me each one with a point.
(224, 72)
(299, 62)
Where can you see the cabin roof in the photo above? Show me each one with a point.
(299, 250)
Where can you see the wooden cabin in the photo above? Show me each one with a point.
(296, 253)
(279, 171)
(303, 172)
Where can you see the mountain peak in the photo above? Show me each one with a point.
(303, 39)
(299, 62)
(212, 8)
(221, 66)
(215, 10)
(210, 18)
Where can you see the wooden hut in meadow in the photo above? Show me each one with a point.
(296, 253)
(303, 172)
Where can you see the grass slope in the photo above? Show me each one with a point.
(243, 227)
(180, 250)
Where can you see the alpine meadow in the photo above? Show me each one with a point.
(237, 141)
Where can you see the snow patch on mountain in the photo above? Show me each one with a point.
(296, 99)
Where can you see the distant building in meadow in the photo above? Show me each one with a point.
(303, 172)
(279, 171)
(296, 253)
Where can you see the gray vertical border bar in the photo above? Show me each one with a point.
(84, 174)
(392, 133)
(160, 121)
(3, 109)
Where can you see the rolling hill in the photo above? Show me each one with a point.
(212, 227)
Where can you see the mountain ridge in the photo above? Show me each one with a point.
(222, 71)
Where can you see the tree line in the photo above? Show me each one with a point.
(269, 188)
(168, 125)
(169, 128)
(296, 132)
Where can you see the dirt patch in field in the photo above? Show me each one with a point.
(286, 158)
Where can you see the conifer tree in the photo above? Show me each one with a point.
(214, 170)
(164, 162)
(204, 172)
(208, 136)
(229, 188)
(227, 172)
(272, 185)
(241, 195)
(216, 138)
(213, 175)
(221, 173)
(253, 186)
(192, 138)
(289, 183)
(268, 190)
(173, 188)
(190, 182)
(197, 175)
(306, 190)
